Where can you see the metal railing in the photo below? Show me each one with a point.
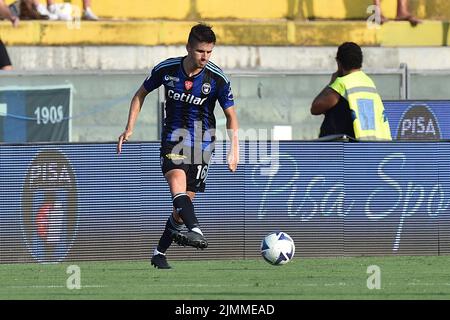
(279, 97)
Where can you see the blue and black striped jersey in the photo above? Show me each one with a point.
(190, 101)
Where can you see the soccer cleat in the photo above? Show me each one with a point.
(159, 261)
(173, 233)
(191, 239)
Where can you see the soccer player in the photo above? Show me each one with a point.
(192, 85)
(351, 103)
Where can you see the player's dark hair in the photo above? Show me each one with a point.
(201, 33)
(350, 56)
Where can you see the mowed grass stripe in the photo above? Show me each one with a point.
(402, 277)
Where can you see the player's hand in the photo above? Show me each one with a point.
(233, 159)
(123, 138)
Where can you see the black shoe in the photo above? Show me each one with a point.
(191, 239)
(174, 233)
(160, 261)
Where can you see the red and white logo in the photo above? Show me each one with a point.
(49, 222)
(188, 84)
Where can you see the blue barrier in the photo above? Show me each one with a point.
(419, 119)
(82, 201)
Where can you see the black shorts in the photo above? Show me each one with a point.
(194, 162)
(4, 58)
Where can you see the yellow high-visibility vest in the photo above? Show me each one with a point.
(369, 119)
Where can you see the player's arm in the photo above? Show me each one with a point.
(135, 108)
(326, 99)
(232, 130)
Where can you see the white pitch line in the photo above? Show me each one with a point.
(244, 285)
(428, 284)
(221, 286)
(54, 286)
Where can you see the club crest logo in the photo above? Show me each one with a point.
(188, 84)
(49, 207)
(419, 123)
(206, 88)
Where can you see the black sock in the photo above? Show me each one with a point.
(183, 204)
(166, 239)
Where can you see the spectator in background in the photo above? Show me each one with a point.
(50, 10)
(403, 13)
(5, 63)
(350, 102)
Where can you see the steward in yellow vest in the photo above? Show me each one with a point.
(351, 103)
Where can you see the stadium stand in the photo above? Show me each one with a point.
(257, 9)
(253, 22)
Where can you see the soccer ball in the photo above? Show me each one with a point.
(277, 248)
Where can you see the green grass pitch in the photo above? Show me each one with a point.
(401, 277)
